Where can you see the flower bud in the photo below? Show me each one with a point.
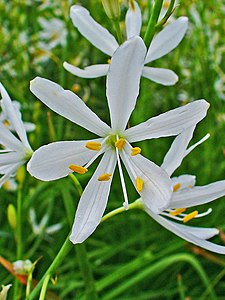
(112, 8)
(11, 212)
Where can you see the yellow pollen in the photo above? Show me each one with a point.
(166, 4)
(190, 216)
(75, 88)
(104, 177)
(6, 123)
(78, 169)
(139, 184)
(177, 211)
(135, 151)
(93, 146)
(109, 61)
(120, 144)
(176, 187)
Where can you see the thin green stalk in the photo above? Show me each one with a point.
(118, 31)
(77, 184)
(170, 10)
(151, 27)
(19, 225)
(66, 247)
(44, 288)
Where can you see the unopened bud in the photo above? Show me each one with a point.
(20, 176)
(11, 213)
(112, 8)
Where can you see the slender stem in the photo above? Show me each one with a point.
(66, 247)
(118, 31)
(19, 224)
(77, 184)
(44, 288)
(167, 14)
(151, 27)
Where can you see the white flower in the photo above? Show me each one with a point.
(163, 43)
(4, 292)
(4, 118)
(16, 150)
(22, 267)
(186, 195)
(58, 159)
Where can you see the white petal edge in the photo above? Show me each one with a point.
(93, 201)
(169, 123)
(88, 72)
(133, 21)
(198, 195)
(157, 189)
(93, 31)
(167, 39)
(188, 235)
(52, 161)
(162, 76)
(9, 140)
(14, 116)
(68, 105)
(123, 78)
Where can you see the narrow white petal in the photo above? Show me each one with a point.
(52, 161)
(133, 21)
(11, 170)
(159, 75)
(88, 72)
(177, 151)
(67, 104)
(167, 39)
(170, 123)
(198, 194)
(93, 31)
(157, 189)
(188, 235)
(93, 201)
(123, 81)
(14, 116)
(11, 158)
(8, 140)
(29, 127)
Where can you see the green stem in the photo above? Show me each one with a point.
(77, 184)
(118, 31)
(151, 27)
(66, 247)
(44, 288)
(19, 225)
(168, 14)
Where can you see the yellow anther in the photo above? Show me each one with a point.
(78, 169)
(139, 184)
(135, 151)
(75, 88)
(119, 144)
(109, 61)
(190, 216)
(166, 4)
(6, 123)
(132, 6)
(177, 211)
(93, 146)
(104, 177)
(176, 187)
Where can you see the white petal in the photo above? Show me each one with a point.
(157, 189)
(198, 194)
(189, 236)
(170, 123)
(133, 21)
(177, 151)
(10, 158)
(200, 232)
(29, 127)
(67, 104)
(123, 81)
(52, 161)
(88, 72)
(159, 75)
(9, 140)
(167, 39)
(14, 116)
(92, 31)
(11, 170)
(185, 181)
(93, 201)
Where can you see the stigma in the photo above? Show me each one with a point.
(104, 177)
(96, 146)
(78, 169)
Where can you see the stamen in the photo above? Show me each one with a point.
(190, 216)
(135, 151)
(119, 144)
(139, 184)
(6, 123)
(176, 187)
(132, 6)
(109, 61)
(93, 146)
(177, 211)
(78, 169)
(104, 177)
